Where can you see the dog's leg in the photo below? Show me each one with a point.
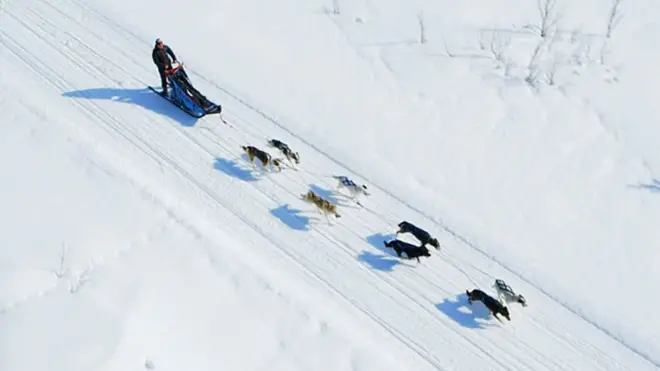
(357, 202)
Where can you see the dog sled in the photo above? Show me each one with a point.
(183, 95)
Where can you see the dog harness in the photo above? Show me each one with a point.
(347, 182)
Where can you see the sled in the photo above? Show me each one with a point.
(184, 96)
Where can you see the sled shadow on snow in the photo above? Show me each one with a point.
(654, 186)
(463, 313)
(144, 98)
(292, 217)
(233, 169)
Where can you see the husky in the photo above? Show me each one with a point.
(286, 151)
(324, 206)
(411, 251)
(264, 157)
(423, 236)
(353, 189)
(493, 305)
(506, 294)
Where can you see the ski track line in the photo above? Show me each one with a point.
(163, 159)
(77, 39)
(85, 45)
(456, 266)
(335, 241)
(444, 226)
(349, 251)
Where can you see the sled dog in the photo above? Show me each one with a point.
(423, 236)
(324, 206)
(353, 189)
(411, 251)
(506, 294)
(493, 305)
(264, 157)
(286, 151)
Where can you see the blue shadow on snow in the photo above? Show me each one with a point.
(463, 313)
(378, 241)
(331, 196)
(144, 98)
(325, 193)
(233, 169)
(654, 186)
(291, 217)
(379, 261)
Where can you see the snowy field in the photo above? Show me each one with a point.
(135, 237)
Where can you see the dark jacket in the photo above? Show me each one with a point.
(161, 57)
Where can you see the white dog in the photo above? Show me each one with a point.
(352, 188)
(506, 294)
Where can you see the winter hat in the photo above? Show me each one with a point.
(158, 41)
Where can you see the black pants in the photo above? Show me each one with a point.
(163, 79)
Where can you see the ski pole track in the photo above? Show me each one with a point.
(158, 156)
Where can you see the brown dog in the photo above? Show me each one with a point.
(264, 157)
(324, 206)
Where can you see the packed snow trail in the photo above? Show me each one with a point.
(193, 171)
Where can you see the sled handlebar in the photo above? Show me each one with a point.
(173, 70)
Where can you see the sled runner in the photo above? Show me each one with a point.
(183, 95)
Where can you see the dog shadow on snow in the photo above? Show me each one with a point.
(234, 169)
(386, 259)
(466, 315)
(144, 98)
(292, 217)
(331, 195)
(652, 186)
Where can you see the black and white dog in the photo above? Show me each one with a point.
(286, 151)
(506, 294)
(353, 189)
(411, 251)
(493, 305)
(423, 236)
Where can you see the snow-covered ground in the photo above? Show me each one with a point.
(136, 237)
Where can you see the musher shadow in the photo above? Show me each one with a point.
(144, 98)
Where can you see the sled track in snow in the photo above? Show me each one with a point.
(116, 128)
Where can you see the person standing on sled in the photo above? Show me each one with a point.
(161, 56)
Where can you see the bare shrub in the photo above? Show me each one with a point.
(614, 18)
(422, 28)
(335, 6)
(533, 68)
(549, 17)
